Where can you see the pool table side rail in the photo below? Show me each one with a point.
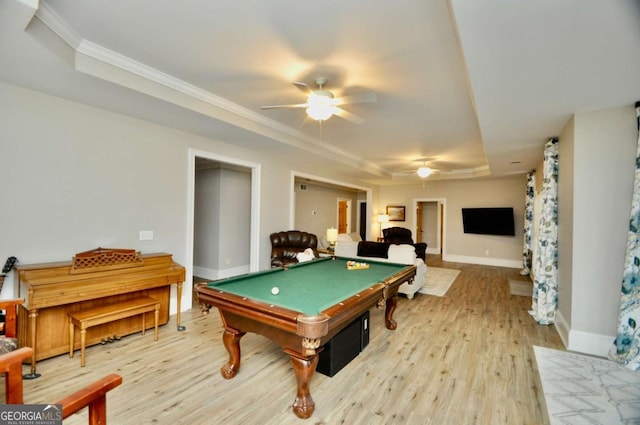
(279, 317)
(376, 294)
(325, 324)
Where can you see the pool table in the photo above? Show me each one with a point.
(316, 300)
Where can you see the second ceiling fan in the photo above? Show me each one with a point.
(321, 105)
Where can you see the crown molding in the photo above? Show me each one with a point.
(112, 64)
(55, 23)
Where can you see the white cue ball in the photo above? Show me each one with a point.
(275, 290)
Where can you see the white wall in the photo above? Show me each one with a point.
(206, 225)
(509, 191)
(603, 164)
(235, 220)
(76, 177)
(317, 208)
(566, 181)
(222, 223)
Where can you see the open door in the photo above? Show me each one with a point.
(419, 222)
(344, 224)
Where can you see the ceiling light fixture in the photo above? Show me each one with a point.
(424, 172)
(320, 105)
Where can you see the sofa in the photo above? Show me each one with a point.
(286, 245)
(402, 235)
(382, 251)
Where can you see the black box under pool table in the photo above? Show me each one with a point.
(344, 347)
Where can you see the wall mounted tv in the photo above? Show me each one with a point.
(488, 221)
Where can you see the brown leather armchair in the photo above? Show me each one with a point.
(397, 235)
(286, 245)
(401, 235)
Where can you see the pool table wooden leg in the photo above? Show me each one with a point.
(231, 340)
(392, 302)
(303, 367)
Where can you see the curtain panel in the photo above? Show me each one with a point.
(528, 224)
(626, 347)
(545, 271)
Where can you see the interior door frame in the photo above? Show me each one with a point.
(442, 228)
(254, 238)
(347, 216)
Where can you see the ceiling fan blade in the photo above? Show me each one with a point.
(303, 87)
(357, 98)
(347, 115)
(298, 105)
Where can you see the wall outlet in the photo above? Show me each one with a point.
(146, 235)
(486, 253)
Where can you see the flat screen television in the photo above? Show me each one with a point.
(488, 221)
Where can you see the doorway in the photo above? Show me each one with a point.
(362, 220)
(209, 215)
(344, 215)
(430, 224)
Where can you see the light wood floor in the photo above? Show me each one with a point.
(465, 358)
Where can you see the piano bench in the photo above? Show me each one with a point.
(108, 313)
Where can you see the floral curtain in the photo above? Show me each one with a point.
(528, 225)
(626, 347)
(545, 269)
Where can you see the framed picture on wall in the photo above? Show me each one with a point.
(395, 212)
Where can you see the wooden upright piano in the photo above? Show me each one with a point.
(93, 278)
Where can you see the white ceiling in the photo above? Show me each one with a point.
(470, 87)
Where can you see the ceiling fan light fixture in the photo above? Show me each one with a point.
(320, 107)
(424, 172)
(320, 113)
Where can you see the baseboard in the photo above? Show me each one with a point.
(590, 343)
(213, 274)
(435, 251)
(484, 261)
(583, 342)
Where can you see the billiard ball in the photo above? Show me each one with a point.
(275, 290)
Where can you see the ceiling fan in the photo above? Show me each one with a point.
(321, 105)
(422, 171)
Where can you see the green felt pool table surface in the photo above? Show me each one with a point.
(308, 287)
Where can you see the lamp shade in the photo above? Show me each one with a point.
(383, 218)
(332, 235)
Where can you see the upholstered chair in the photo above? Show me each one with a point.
(285, 246)
(401, 235)
(397, 235)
